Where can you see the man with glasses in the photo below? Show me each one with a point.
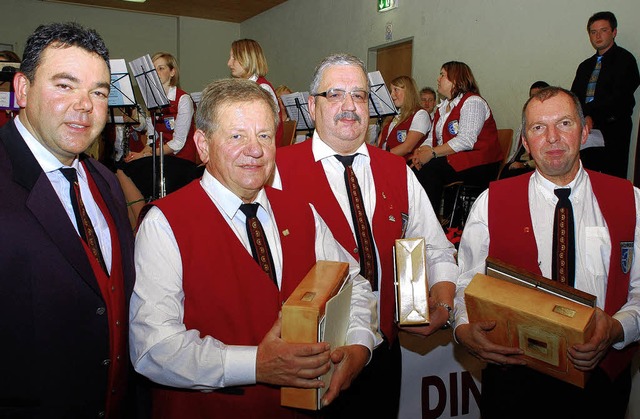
(389, 203)
(210, 286)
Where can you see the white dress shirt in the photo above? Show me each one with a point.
(473, 114)
(592, 241)
(163, 349)
(51, 167)
(422, 221)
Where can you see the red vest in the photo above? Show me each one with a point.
(307, 179)
(486, 148)
(510, 222)
(228, 296)
(188, 151)
(280, 127)
(399, 132)
(113, 293)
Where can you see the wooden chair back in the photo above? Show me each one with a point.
(289, 134)
(505, 138)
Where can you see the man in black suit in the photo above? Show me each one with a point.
(66, 274)
(605, 84)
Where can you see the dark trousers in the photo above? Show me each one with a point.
(613, 158)
(375, 393)
(438, 172)
(521, 392)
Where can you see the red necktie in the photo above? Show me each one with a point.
(258, 240)
(563, 264)
(85, 228)
(367, 253)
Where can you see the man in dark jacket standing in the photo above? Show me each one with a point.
(605, 84)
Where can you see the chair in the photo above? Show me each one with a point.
(289, 133)
(505, 138)
(458, 197)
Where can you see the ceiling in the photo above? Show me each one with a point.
(235, 11)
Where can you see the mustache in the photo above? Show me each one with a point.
(346, 115)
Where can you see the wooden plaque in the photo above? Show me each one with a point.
(543, 324)
(302, 315)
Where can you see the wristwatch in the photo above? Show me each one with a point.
(434, 154)
(451, 319)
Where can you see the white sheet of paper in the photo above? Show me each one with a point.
(333, 327)
(595, 139)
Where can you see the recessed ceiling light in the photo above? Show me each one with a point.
(136, 1)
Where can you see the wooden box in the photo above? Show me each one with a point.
(543, 324)
(412, 289)
(302, 318)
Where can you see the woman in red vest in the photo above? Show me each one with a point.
(175, 122)
(463, 143)
(407, 130)
(247, 61)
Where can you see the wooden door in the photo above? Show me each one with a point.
(395, 60)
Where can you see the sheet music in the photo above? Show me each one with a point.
(380, 102)
(121, 93)
(149, 82)
(297, 107)
(595, 139)
(333, 327)
(196, 97)
(8, 99)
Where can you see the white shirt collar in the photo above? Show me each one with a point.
(171, 95)
(226, 200)
(321, 150)
(44, 157)
(547, 187)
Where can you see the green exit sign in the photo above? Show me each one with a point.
(384, 5)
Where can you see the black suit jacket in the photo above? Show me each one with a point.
(53, 323)
(618, 80)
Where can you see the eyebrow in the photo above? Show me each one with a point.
(74, 79)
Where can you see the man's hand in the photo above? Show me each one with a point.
(347, 362)
(474, 337)
(438, 316)
(291, 364)
(608, 331)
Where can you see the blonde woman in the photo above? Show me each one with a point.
(247, 61)
(407, 130)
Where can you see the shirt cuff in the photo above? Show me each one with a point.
(447, 272)
(364, 338)
(240, 365)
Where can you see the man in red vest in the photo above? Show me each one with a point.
(395, 206)
(514, 221)
(204, 315)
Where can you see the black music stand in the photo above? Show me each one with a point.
(7, 93)
(155, 99)
(380, 102)
(297, 107)
(122, 100)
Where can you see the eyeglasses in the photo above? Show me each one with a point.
(338, 95)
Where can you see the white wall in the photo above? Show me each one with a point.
(201, 46)
(507, 43)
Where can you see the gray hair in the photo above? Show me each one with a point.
(228, 91)
(333, 60)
